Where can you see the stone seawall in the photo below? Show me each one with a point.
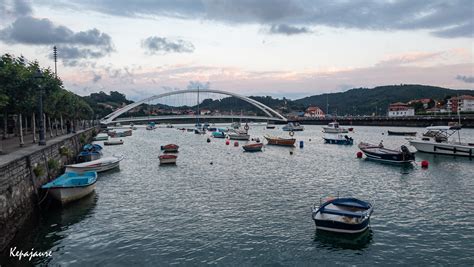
(22, 174)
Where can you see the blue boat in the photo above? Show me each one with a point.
(89, 152)
(72, 186)
(343, 215)
(91, 147)
(218, 134)
(338, 139)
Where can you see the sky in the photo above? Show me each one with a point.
(261, 47)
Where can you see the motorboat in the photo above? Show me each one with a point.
(113, 142)
(238, 135)
(401, 133)
(380, 153)
(151, 126)
(99, 165)
(218, 134)
(293, 126)
(334, 127)
(167, 159)
(442, 140)
(89, 152)
(101, 137)
(338, 139)
(253, 147)
(343, 215)
(170, 148)
(279, 141)
(71, 186)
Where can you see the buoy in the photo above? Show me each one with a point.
(236, 143)
(211, 163)
(425, 164)
(227, 142)
(301, 144)
(310, 139)
(291, 152)
(359, 155)
(208, 140)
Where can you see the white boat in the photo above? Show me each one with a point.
(100, 165)
(101, 137)
(235, 125)
(113, 142)
(442, 140)
(238, 135)
(72, 186)
(293, 126)
(334, 127)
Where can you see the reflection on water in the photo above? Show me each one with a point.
(330, 240)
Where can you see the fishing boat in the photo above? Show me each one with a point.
(113, 142)
(334, 127)
(293, 126)
(99, 165)
(401, 133)
(253, 147)
(168, 159)
(443, 140)
(379, 153)
(343, 215)
(279, 141)
(101, 137)
(170, 148)
(218, 134)
(72, 186)
(338, 139)
(238, 135)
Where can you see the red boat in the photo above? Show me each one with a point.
(253, 147)
(170, 148)
(168, 159)
(351, 129)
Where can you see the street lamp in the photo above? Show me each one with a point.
(39, 77)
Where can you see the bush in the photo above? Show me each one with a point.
(38, 171)
(82, 139)
(53, 164)
(64, 151)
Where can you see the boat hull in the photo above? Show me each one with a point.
(167, 161)
(252, 148)
(335, 130)
(338, 141)
(340, 227)
(113, 143)
(239, 137)
(281, 142)
(443, 148)
(401, 133)
(70, 194)
(97, 168)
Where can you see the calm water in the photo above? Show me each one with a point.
(222, 206)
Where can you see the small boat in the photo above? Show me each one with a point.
(279, 141)
(379, 153)
(253, 147)
(170, 148)
(101, 137)
(113, 142)
(91, 147)
(343, 215)
(338, 139)
(401, 133)
(85, 156)
(442, 140)
(99, 165)
(218, 134)
(121, 133)
(190, 130)
(350, 129)
(238, 135)
(334, 127)
(199, 131)
(168, 159)
(151, 126)
(72, 186)
(235, 125)
(293, 126)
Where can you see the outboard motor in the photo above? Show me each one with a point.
(406, 153)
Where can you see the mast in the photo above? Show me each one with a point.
(459, 118)
(197, 114)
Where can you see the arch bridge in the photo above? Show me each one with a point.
(271, 114)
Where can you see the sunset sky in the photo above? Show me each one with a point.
(278, 48)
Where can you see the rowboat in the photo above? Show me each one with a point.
(253, 147)
(343, 215)
(401, 133)
(238, 135)
(441, 140)
(338, 139)
(170, 148)
(334, 127)
(167, 159)
(279, 141)
(113, 142)
(72, 186)
(293, 126)
(218, 134)
(379, 153)
(99, 165)
(101, 137)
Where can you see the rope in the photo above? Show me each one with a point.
(45, 195)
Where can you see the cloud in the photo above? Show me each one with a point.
(15, 8)
(156, 45)
(96, 77)
(408, 58)
(71, 45)
(466, 79)
(287, 29)
(444, 19)
(198, 85)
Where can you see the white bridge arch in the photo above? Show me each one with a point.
(272, 114)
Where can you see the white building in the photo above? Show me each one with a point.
(400, 110)
(465, 103)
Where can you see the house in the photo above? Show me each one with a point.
(205, 111)
(400, 110)
(424, 101)
(464, 103)
(314, 112)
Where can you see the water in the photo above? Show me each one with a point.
(254, 208)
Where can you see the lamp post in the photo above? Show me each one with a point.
(39, 77)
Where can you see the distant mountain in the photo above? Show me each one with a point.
(365, 101)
